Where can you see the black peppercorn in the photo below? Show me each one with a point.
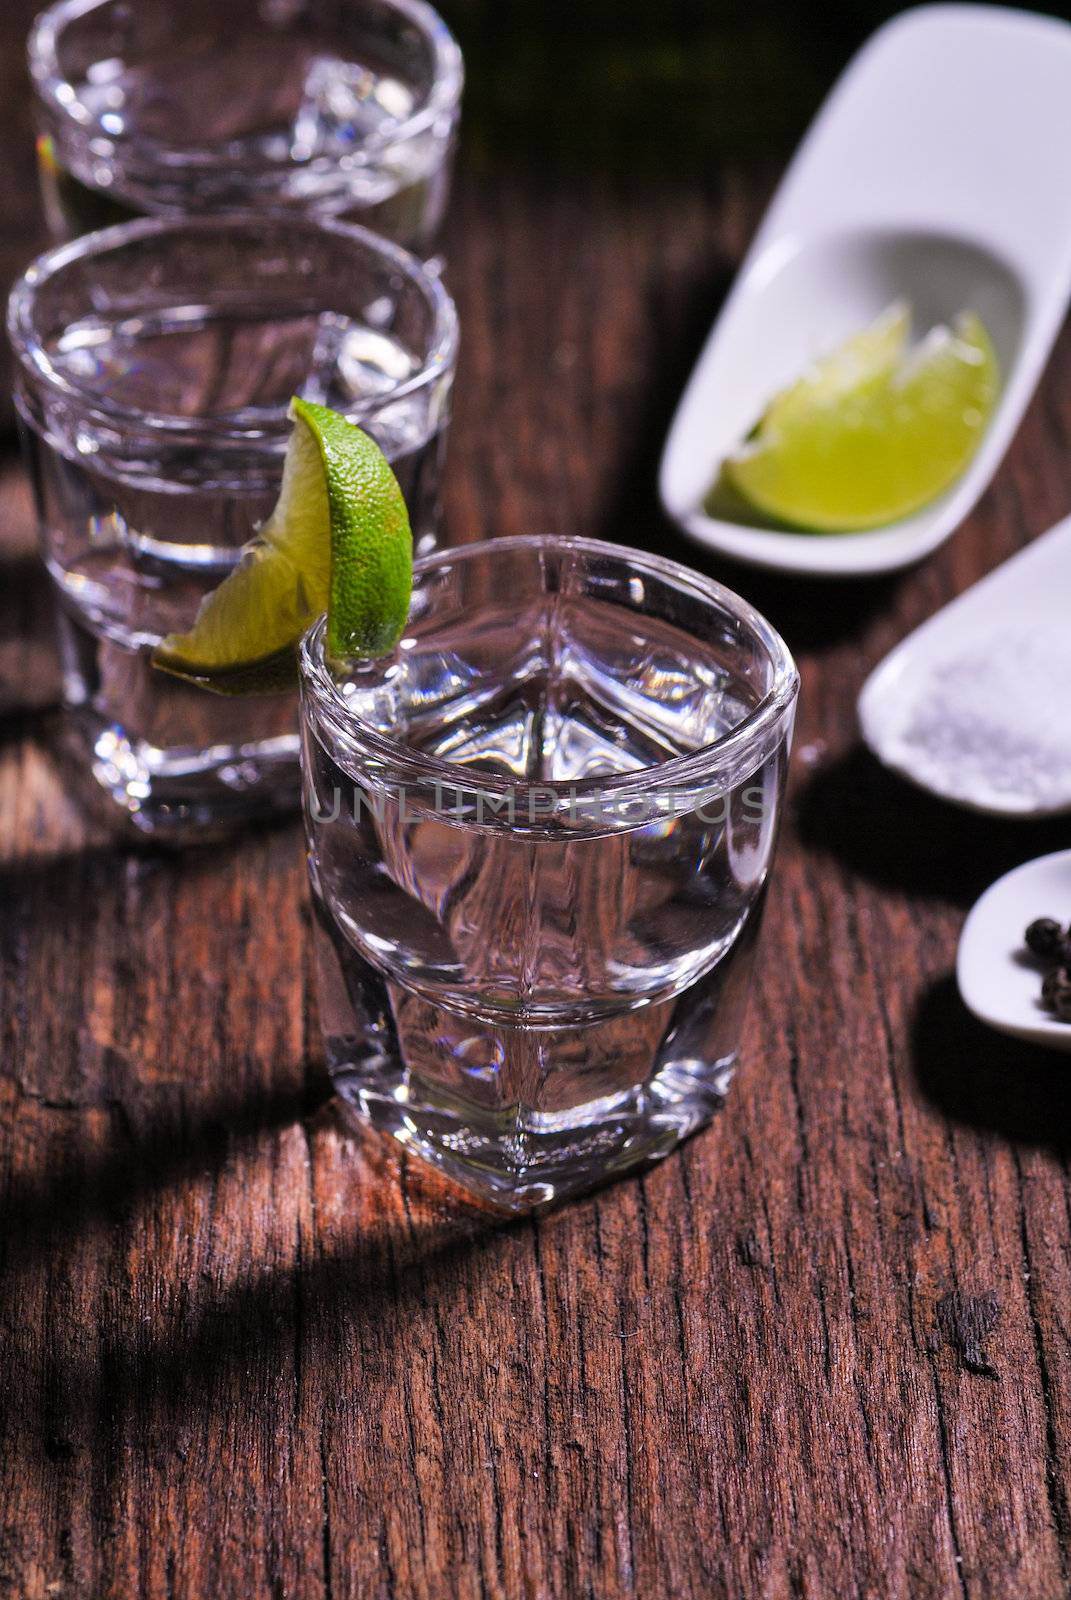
(1056, 992)
(1045, 938)
(1051, 943)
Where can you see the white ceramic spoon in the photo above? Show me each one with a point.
(936, 172)
(997, 978)
(1032, 591)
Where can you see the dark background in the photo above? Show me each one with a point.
(661, 89)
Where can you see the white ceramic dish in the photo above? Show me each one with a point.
(998, 980)
(936, 173)
(1033, 587)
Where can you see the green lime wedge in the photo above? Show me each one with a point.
(874, 432)
(864, 362)
(338, 540)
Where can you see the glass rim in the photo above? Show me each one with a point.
(696, 767)
(25, 336)
(60, 95)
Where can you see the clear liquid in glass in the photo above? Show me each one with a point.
(536, 1010)
(134, 539)
(300, 104)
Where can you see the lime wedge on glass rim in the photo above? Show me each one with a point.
(873, 432)
(338, 541)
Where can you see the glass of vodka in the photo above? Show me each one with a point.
(163, 109)
(539, 839)
(156, 361)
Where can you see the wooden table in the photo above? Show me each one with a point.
(823, 1351)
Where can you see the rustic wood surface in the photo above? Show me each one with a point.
(823, 1351)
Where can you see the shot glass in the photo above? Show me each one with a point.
(156, 361)
(539, 837)
(157, 109)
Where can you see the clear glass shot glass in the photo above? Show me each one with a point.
(156, 361)
(162, 109)
(539, 837)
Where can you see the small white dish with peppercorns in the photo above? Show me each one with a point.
(1014, 961)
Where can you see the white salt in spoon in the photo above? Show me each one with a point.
(935, 173)
(999, 981)
(975, 705)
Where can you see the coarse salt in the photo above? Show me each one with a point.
(992, 725)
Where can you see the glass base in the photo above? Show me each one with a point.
(177, 796)
(519, 1166)
(522, 1116)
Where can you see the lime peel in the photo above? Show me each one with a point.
(338, 539)
(371, 566)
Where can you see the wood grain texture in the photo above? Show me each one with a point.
(823, 1351)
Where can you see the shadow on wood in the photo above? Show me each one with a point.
(87, 1185)
(894, 835)
(168, 1368)
(983, 1080)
